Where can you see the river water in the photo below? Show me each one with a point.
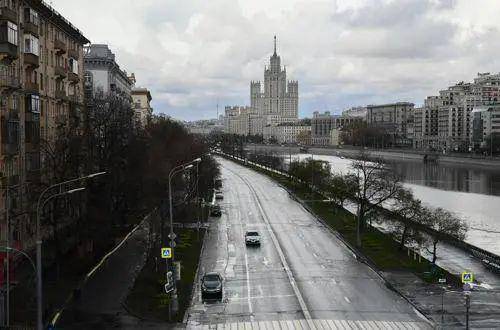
(471, 192)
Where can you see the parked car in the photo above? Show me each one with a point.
(211, 286)
(252, 238)
(219, 196)
(215, 211)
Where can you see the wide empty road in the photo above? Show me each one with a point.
(302, 276)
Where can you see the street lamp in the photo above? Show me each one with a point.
(175, 170)
(61, 192)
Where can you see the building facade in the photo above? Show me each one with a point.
(273, 101)
(457, 104)
(426, 124)
(323, 123)
(41, 90)
(141, 99)
(396, 119)
(485, 125)
(103, 73)
(286, 132)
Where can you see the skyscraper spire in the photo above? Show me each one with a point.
(274, 45)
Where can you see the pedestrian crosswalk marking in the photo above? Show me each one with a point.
(316, 323)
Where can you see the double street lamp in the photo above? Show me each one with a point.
(173, 172)
(42, 200)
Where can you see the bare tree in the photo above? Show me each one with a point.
(445, 224)
(374, 184)
(410, 211)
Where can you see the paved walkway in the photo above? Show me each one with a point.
(100, 303)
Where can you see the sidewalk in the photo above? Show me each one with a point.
(99, 305)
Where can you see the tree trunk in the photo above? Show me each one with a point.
(434, 257)
(359, 225)
(403, 238)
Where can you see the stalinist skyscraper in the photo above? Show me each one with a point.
(279, 101)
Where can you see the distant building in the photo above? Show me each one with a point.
(286, 132)
(394, 118)
(323, 123)
(485, 124)
(272, 102)
(457, 103)
(426, 124)
(355, 112)
(141, 98)
(335, 137)
(103, 73)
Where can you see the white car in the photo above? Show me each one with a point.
(252, 238)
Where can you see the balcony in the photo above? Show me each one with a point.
(31, 28)
(31, 60)
(8, 51)
(61, 96)
(59, 46)
(8, 14)
(73, 53)
(31, 87)
(9, 81)
(73, 78)
(60, 72)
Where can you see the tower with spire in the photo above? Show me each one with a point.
(278, 102)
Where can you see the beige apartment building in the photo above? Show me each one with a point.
(41, 88)
(141, 98)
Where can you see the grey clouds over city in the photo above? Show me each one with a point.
(343, 53)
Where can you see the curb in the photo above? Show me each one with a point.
(196, 276)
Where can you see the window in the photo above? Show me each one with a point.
(33, 103)
(31, 44)
(12, 33)
(73, 65)
(31, 16)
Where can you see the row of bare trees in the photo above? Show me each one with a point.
(378, 195)
(104, 136)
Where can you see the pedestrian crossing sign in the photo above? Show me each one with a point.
(467, 277)
(166, 253)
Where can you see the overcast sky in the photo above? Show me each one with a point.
(344, 53)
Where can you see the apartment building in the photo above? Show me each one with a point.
(141, 98)
(104, 74)
(41, 90)
(394, 118)
(457, 104)
(426, 124)
(323, 123)
(485, 125)
(286, 132)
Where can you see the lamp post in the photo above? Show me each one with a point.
(175, 170)
(61, 192)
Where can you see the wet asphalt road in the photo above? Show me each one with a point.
(300, 272)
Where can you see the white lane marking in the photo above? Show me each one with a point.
(263, 297)
(248, 287)
(302, 303)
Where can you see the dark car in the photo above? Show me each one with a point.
(219, 196)
(211, 286)
(215, 211)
